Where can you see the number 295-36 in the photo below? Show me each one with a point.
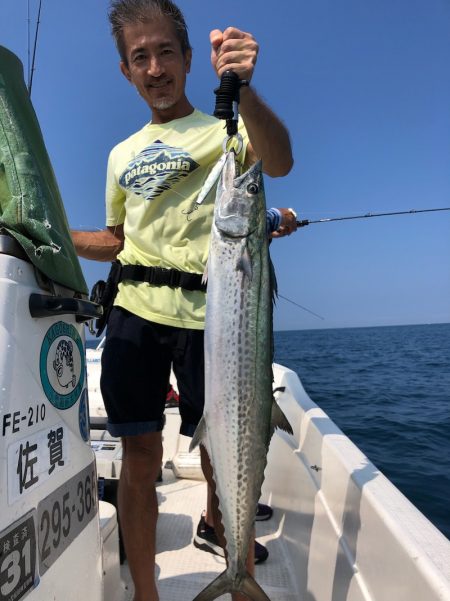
(64, 514)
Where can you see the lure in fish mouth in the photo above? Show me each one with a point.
(240, 413)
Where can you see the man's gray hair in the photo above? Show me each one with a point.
(130, 12)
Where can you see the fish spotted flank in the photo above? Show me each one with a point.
(240, 413)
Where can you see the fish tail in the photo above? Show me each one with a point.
(224, 584)
(252, 589)
(221, 585)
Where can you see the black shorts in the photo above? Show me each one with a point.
(136, 364)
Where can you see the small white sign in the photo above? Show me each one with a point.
(34, 459)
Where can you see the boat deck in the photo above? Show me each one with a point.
(182, 569)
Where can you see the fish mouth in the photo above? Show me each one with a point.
(232, 226)
(235, 236)
(226, 216)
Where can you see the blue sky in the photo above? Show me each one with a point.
(364, 89)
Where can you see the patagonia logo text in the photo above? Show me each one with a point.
(156, 169)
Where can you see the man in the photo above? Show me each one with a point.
(153, 178)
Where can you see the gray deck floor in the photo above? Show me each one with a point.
(182, 570)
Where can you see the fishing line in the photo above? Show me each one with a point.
(301, 306)
(305, 222)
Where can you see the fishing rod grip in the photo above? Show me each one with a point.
(226, 94)
(303, 223)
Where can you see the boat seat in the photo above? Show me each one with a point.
(108, 519)
(10, 246)
(109, 531)
(98, 422)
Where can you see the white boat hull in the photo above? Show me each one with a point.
(52, 529)
(351, 535)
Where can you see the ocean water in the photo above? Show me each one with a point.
(388, 390)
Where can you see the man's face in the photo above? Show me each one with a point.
(157, 67)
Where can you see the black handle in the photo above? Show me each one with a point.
(43, 305)
(227, 100)
(226, 94)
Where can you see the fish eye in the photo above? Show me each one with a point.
(252, 189)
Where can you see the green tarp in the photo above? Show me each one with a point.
(31, 208)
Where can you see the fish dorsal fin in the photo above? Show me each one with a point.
(199, 435)
(279, 420)
(273, 281)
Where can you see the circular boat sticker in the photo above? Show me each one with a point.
(62, 365)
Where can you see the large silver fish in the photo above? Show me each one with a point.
(240, 413)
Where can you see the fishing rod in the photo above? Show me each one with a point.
(227, 102)
(28, 43)
(305, 222)
(31, 72)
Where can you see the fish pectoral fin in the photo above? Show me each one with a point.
(245, 264)
(224, 584)
(199, 435)
(205, 275)
(279, 420)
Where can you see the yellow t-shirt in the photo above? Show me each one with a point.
(153, 179)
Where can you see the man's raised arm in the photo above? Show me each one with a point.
(237, 51)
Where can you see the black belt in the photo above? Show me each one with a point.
(160, 276)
